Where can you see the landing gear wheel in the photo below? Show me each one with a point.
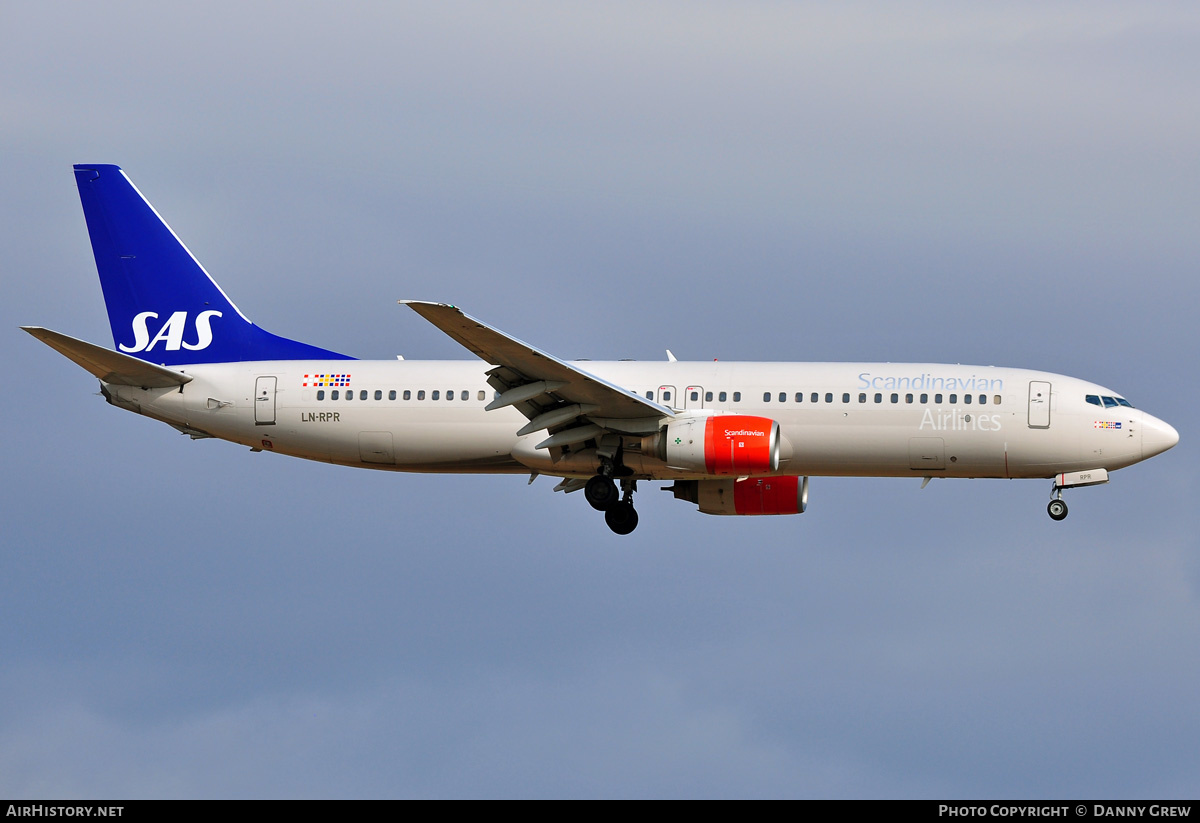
(621, 518)
(1057, 509)
(601, 493)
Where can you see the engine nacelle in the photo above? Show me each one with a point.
(754, 495)
(723, 444)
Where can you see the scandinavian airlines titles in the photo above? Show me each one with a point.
(939, 420)
(929, 382)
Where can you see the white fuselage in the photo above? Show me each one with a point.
(850, 419)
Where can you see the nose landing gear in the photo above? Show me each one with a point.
(1057, 508)
(1072, 480)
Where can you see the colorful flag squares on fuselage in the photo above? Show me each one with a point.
(332, 380)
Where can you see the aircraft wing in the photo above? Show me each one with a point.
(552, 393)
(108, 365)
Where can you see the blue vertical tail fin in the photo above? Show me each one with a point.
(162, 305)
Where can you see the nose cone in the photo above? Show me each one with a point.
(1157, 436)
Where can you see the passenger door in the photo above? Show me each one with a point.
(264, 401)
(1039, 405)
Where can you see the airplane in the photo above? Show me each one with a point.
(732, 438)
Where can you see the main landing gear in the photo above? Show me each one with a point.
(1057, 508)
(602, 495)
(622, 518)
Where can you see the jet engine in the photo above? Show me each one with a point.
(723, 444)
(753, 495)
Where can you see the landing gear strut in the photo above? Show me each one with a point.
(1057, 508)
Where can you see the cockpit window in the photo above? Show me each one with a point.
(1108, 402)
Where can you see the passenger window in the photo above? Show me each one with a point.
(862, 397)
(320, 394)
(967, 399)
(828, 397)
(953, 399)
(737, 397)
(908, 398)
(695, 396)
(878, 397)
(783, 397)
(333, 395)
(649, 395)
(407, 394)
(937, 398)
(378, 394)
(392, 394)
(983, 399)
(766, 397)
(437, 395)
(815, 398)
(708, 397)
(721, 397)
(924, 398)
(996, 400)
(349, 395)
(799, 397)
(895, 398)
(482, 394)
(845, 397)
(666, 397)
(421, 395)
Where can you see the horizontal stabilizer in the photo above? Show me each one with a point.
(108, 365)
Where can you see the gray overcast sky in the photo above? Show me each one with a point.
(1011, 184)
